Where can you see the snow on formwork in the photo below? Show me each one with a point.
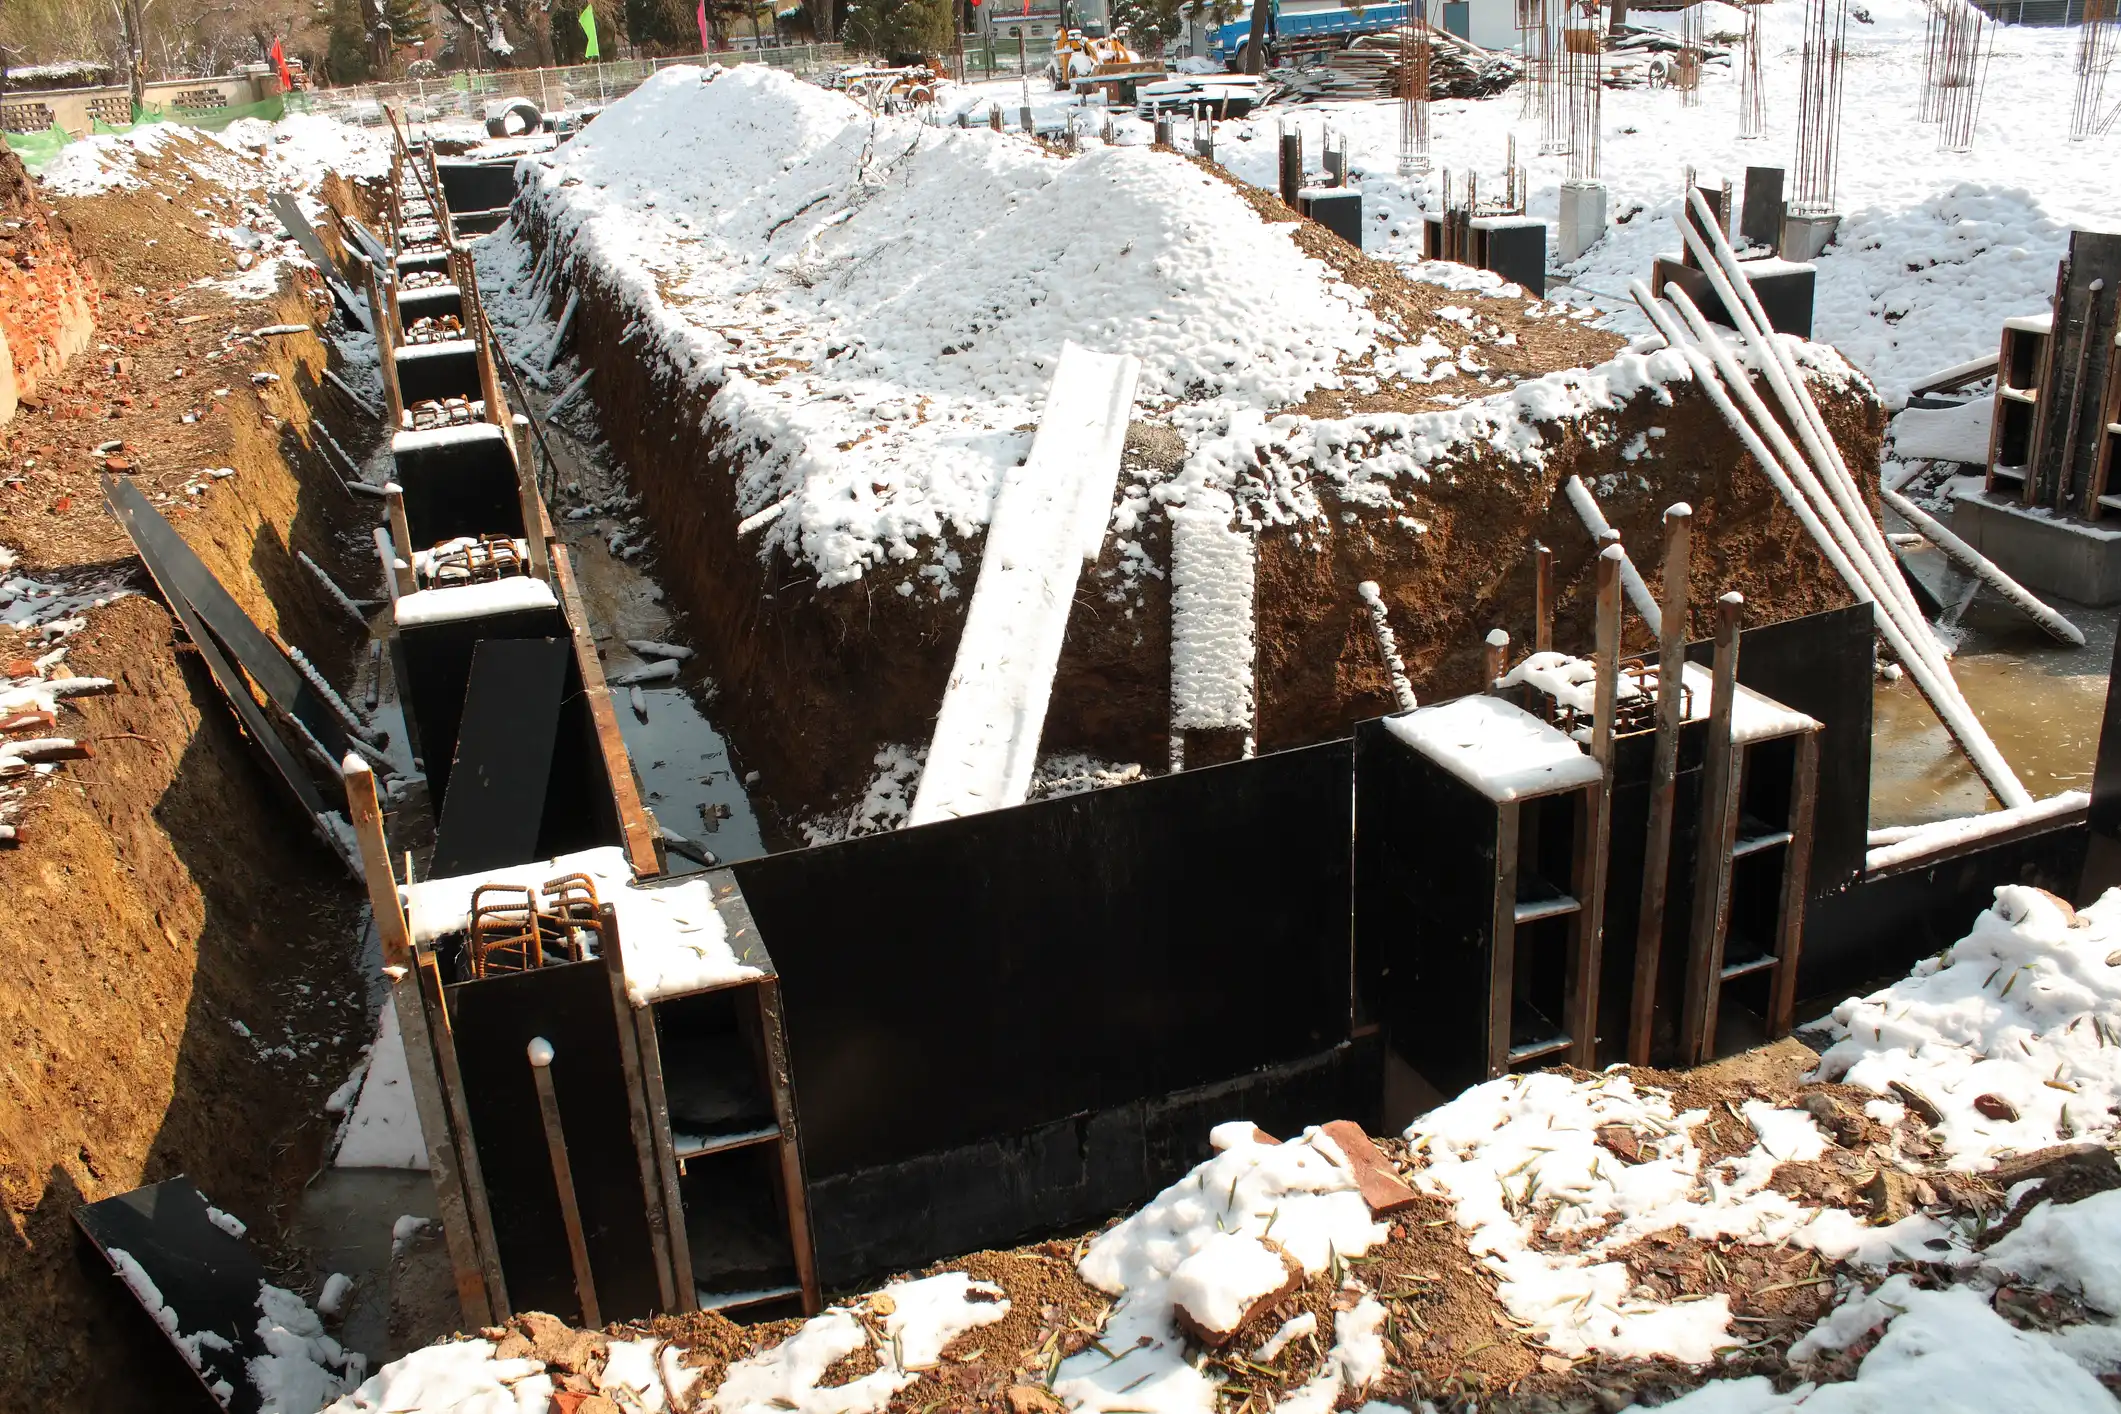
(879, 303)
(676, 940)
(1049, 517)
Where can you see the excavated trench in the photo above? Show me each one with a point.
(815, 680)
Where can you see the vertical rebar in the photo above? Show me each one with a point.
(1819, 106)
(1752, 110)
(1414, 56)
(1542, 598)
(585, 1287)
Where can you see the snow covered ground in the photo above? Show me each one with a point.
(1935, 249)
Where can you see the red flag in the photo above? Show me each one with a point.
(279, 61)
(703, 26)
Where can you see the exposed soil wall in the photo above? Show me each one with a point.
(182, 988)
(814, 681)
(47, 302)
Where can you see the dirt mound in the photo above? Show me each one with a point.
(183, 991)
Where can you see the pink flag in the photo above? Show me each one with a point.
(703, 26)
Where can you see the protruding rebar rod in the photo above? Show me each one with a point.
(585, 1287)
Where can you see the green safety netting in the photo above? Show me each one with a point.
(212, 119)
(36, 149)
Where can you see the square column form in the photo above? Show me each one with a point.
(1582, 218)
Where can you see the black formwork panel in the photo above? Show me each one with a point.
(457, 481)
(1068, 1174)
(1875, 930)
(477, 186)
(1823, 665)
(984, 976)
(431, 372)
(1423, 903)
(492, 1022)
(208, 1278)
(432, 664)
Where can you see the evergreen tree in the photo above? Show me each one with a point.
(346, 44)
(899, 29)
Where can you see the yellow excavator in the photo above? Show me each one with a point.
(1080, 56)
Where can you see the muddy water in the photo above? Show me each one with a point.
(2041, 700)
(687, 776)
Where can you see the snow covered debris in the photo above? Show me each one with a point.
(675, 939)
(302, 1368)
(1944, 1352)
(2076, 1246)
(1521, 1161)
(2011, 1033)
(790, 251)
(513, 594)
(456, 1377)
(907, 1323)
(1302, 1194)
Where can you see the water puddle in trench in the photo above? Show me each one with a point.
(2041, 700)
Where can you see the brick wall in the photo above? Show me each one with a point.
(47, 301)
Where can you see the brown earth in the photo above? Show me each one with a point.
(815, 680)
(186, 989)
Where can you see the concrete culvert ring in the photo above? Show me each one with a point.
(513, 117)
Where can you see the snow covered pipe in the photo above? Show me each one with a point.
(1720, 264)
(1981, 566)
(1388, 645)
(1936, 685)
(1630, 578)
(1856, 568)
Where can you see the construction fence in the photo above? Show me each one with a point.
(465, 94)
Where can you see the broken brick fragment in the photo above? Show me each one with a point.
(1381, 1186)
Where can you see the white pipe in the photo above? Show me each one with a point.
(1630, 578)
(1720, 264)
(1942, 695)
(1388, 645)
(1980, 565)
(1935, 682)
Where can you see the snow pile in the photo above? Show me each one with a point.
(302, 1368)
(1521, 1162)
(1944, 1352)
(675, 940)
(456, 1377)
(294, 153)
(907, 1324)
(1302, 1194)
(2013, 1033)
(880, 303)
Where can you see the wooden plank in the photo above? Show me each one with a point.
(650, 1050)
(1664, 779)
(425, 1000)
(1796, 881)
(1712, 851)
(637, 829)
(639, 1111)
(1502, 940)
(495, 803)
(780, 1080)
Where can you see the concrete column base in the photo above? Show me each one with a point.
(2048, 554)
(1582, 222)
(1803, 237)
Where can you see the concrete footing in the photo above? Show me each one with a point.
(1803, 237)
(1582, 218)
(2047, 553)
